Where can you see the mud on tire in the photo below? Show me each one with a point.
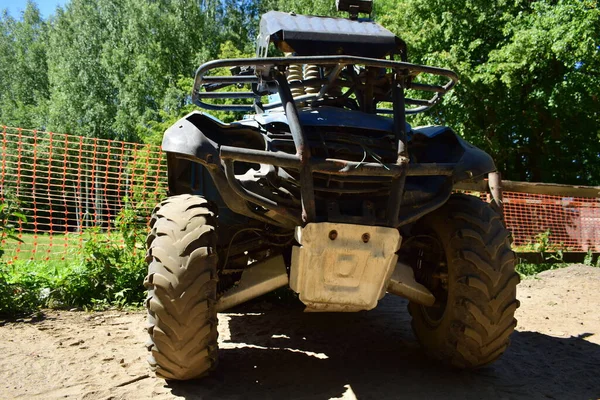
(181, 283)
(473, 318)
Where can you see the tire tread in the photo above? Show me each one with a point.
(484, 282)
(181, 282)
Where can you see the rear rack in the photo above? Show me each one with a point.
(267, 75)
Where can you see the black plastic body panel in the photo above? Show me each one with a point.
(195, 143)
(444, 145)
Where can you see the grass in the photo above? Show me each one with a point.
(529, 270)
(50, 248)
(97, 270)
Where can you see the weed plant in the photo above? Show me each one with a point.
(551, 254)
(108, 272)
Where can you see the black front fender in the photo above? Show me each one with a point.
(187, 139)
(193, 144)
(443, 145)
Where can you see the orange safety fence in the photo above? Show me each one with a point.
(70, 187)
(570, 223)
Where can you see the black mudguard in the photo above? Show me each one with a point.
(197, 137)
(442, 145)
(193, 163)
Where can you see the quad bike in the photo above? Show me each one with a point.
(324, 186)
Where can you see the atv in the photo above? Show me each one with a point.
(324, 187)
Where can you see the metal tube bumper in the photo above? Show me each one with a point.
(336, 167)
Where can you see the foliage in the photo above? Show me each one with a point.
(589, 259)
(551, 254)
(10, 214)
(19, 297)
(527, 270)
(306, 7)
(117, 69)
(23, 69)
(542, 244)
(229, 50)
(176, 103)
(109, 272)
(15, 298)
(122, 69)
(529, 76)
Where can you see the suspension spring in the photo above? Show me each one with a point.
(294, 76)
(312, 71)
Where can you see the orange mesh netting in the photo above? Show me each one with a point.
(573, 223)
(70, 186)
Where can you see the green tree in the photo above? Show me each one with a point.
(529, 79)
(116, 65)
(305, 7)
(23, 69)
(82, 98)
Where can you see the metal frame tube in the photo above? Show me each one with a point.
(309, 213)
(397, 189)
(270, 71)
(267, 204)
(263, 67)
(331, 166)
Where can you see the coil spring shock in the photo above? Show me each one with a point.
(295, 75)
(312, 71)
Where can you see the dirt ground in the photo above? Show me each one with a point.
(276, 351)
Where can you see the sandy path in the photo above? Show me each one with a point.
(273, 351)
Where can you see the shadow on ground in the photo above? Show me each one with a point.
(374, 355)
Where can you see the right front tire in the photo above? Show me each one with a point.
(461, 253)
(182, 288)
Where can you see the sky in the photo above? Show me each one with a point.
(16, 7)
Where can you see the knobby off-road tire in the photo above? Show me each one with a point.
(182, 288)
(478, 317)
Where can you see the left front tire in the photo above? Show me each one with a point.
(182, 288)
